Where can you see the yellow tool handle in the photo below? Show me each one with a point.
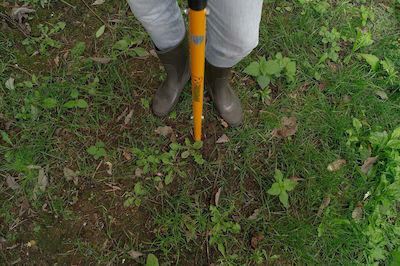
(197, 25)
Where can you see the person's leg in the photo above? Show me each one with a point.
(163, 21)
(232, 33)
(232, 30)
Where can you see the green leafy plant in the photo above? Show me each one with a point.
(190, 150)
(365, 15)
(380, 227)
(125, 46)
(221, 229)
(44, 40)
(76, 103)
(331, 39)
(266, 71)
(281, 186)
(165, 164)
(97, 150)
(135, 197)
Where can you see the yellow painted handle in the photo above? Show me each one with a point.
(197, 24)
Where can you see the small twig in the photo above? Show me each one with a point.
(97, 168)
(21, 69)
(105, 23)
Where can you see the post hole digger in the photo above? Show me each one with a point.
(197, 26)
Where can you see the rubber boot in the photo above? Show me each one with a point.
(225, 100)
(177, 65)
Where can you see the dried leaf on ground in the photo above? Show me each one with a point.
(223, 122)
(254, 215)
(164, 131)
(304, 87)
(368, 164)
(296, 178)
(98, 2)
(217, 195)
(381, 94)
(135, 254)
(128, 117)
(346, 98)
(336, 165)
(43, 180)
(357, 214)
(70, 175)
(101, 60)
(11, 183)
(333, 66)
(223, 139)
(256, 239)
(324, 204)
(19, 13)
(138, 172)
(127, 155)
(57, 60)
(288, 128)
(109, 170)
(322, 86)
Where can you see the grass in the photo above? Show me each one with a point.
(82, 219)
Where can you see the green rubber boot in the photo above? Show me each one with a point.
(177, 65)
(225, 99)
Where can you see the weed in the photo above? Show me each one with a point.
(44, 40)
(281, 186)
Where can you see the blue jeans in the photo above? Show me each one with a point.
(232, 27)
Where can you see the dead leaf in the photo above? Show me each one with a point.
(304, 87)
(321, 86)
(334, 101)
(57, 60)
(11, 183)
(33, 167)
(101, 60)
(223, 122)
(128, 117)
(222, 139)
(138, 172)
(336, 165)
(65, 55)
(346, 98)
(19, 13)
(324, 204)
(256, 239)
(70, 175)
(357, 214)
(384, 6)
(288, 128)
(43, 180)
(368, 164)
(381, 94)
(135, 254)
(293, 95)
(98, 2)
(296, 179)
(127, 155)
(217, 195)
(254, 215)
(153, 53)
(109, 170)
(332, 65)
(164, 131)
